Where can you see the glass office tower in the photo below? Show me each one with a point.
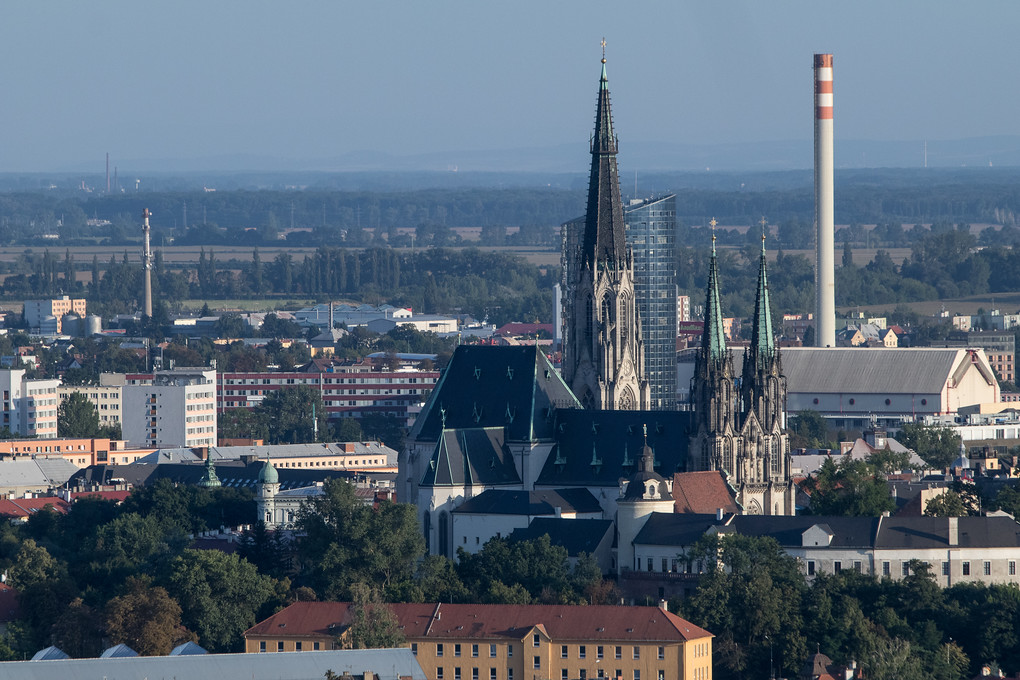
(651, 235)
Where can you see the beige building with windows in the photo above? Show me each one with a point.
(106, 399)
(512, 642)
(37, 310)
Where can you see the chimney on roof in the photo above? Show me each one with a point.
(718, 514)
(954, 530)
(663, 605)
(558, 511)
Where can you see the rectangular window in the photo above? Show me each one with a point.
(664, 565)
(439, 649)
(637, 674)
(619, 653)
(279, 646)
(563, 674)
(414, 648)
(837, 567)
(474, 650)
(598, 652)
(637, 654)
(262, 645)
(811, 568)
(580, 652)
(885, 569)
(492, 651)
(537, 662)
(297, 646)
(535, 640)
(315, 646)
(1012, 568)
(857, 566)
(456, 650)
(456, 673)
(563, 652)
(474, 674)
(905, 568)
(492, 674)
(662, 652)
(510, 651)
(649, 561)
(966, 568)
(988, 568)
(509, 674)
(662, 674)
(945, 568)
(439, 673)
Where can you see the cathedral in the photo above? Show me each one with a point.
(603, 353)
(505, 438)
(739, 423)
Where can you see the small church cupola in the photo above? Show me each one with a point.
(209, 479)
(646, 484)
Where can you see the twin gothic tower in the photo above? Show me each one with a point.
(738, 424)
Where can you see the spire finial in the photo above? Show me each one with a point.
(644, 429)
(763, 231)
(712, 223)
(603, 49)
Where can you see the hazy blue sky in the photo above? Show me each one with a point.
(314, 80)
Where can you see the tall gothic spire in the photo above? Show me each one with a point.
(604, 238)
(713, 339)
(763, 341)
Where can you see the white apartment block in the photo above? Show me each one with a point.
(29, 406)
(106, 399)
(177, 408)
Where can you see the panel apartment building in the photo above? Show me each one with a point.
(349, 389)
(175, 408)
(29, 406)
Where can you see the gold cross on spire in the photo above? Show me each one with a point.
(603, 49)
(763, 223)
(712, 223)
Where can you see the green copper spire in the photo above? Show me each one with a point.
(713, 339)
(209, 479)
(763, 340)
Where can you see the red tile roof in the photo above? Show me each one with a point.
(117, 496)
(26, 507)
(702, 493)
(490, 621)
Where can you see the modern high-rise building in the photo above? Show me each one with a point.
(651, 235)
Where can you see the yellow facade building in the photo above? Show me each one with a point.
(512, 642)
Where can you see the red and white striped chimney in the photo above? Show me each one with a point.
(825, 298)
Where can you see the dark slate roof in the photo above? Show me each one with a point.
(673, 529)
(598, 448)
(232, 473)
(471, 456)
(576, 535)
(933, 532)
(486, 386)
(848, 532)
(541, 502)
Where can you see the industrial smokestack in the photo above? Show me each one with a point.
(825, 298)
(107, 172)
(147, 263)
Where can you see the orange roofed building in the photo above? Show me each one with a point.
(512, 642)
